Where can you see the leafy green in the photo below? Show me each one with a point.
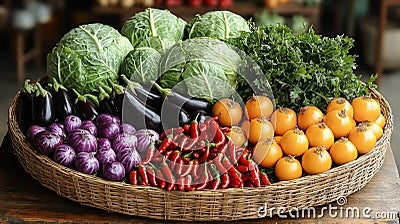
(303, 69)
(141, 65)
(87, 56)
(217, 24)
(142, 28)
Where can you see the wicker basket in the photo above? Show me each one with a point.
(228, 204)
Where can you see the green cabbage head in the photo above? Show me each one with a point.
(87, 56)
(218, 24)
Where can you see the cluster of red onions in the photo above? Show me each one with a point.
(103, 147)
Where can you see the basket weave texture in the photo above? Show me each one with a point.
(207, 205)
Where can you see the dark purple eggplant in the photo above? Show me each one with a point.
(25, 106)
(139, 115)
(117, 96)
(153, 99)
(173, 116)
(189, 104)
(106, 104)
(43, 112)
(85, 108)
(62, 100)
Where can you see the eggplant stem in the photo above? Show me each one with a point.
(40, 90)
(164, 91)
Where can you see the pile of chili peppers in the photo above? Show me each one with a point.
(198, 156)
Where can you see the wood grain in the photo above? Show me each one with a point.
(23, 199)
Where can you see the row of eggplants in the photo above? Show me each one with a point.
(104, 146)
(41, 106)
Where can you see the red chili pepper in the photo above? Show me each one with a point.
(213, 150)
(152, 176)
(243, 159)
(219, 137)
(186, 128)
(255, 173)
(167, 172)
(190, 144)
(160, 179)
(182, 141)
(171, 186)
(165, 144)
(188, 183)
(235, 175)
(205, 154)
(195, 155)
(225, 129)
(200, 144)
(202, 150)
(231, 152)
(186, 157)
(143, 174)
(194, 129)
(204, 179)
(222, 149)
(157, 158)
(246, 178)
(179, 167)
(175, 157)
(168, 154)
(226, 163)
(216, 182)
(242, 168)
(195, 169)
(133, 177)
(212, 156)
(149, 154)
(187, 169)
(248, 184)
(181, 183)
(218, 164)
(225, 181)
(265, 179)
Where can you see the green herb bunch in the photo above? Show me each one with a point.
(302, 69)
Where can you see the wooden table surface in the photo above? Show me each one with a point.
(23, 199)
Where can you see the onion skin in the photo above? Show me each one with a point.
(57, 129)
(122, 141)
(72, 123)
(89, 126)
(129, 157)
(108, 130)
(46, 142)
(64, 155)
(86, 163)
(127, 129)
(33, 131)
(114, 171)
(106, 156)
(82, 141)
(145, 137)
(103, 143)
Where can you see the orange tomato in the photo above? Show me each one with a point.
(237, 135)
(316, 160)
(364, 139)
(267, 152)
(340, 104)
(278, 138)
(294, 142)
(320, 135)
(283, 120)
(258, 106)
(260, 129)
(381, 121)
(288, 168)
(366, 108)
(309, 115)
(229, 112)
(245, 126)
(339, 122)
(343, 151)
(375, 128)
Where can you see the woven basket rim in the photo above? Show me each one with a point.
(17, 133)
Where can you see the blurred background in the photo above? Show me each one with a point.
(30, 28)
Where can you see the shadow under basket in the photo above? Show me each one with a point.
(207, 205)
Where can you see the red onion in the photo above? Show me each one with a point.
(71, 123)
(64, 155)
(33, 131)
(57, 129)
(86, 162)
(122, 141)
(114, 171)
(89, 126)
(144, 138)
(46, 142)
(82, 141)
(127, 129)
(106, 156)
(108, 130)
(103, 143)
(129, 157)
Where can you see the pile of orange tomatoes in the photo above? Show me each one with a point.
(307, 142)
